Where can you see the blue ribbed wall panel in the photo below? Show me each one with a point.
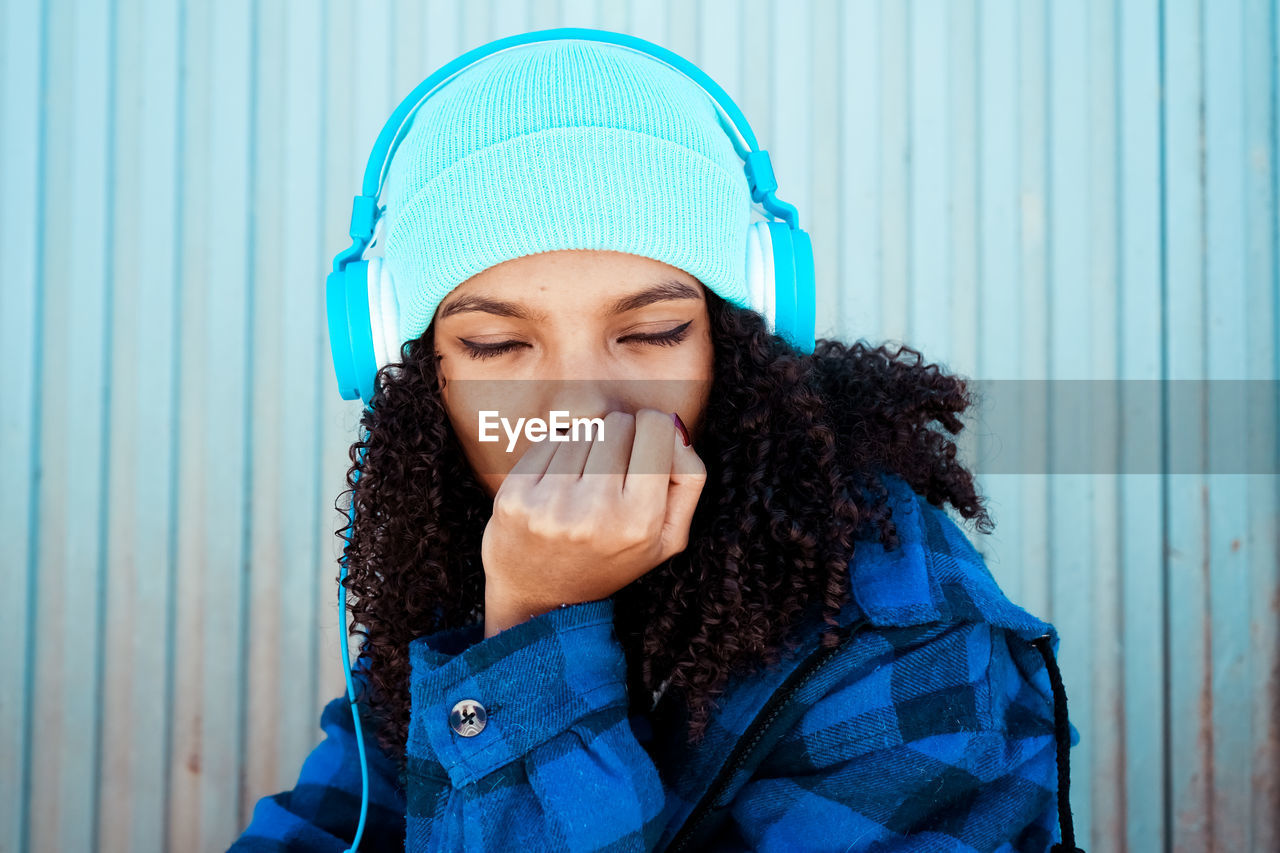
(1021, 189)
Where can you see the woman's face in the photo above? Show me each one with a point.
(583, 332)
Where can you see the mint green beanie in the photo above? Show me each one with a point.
(566, 144)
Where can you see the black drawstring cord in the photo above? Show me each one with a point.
(1062, 735)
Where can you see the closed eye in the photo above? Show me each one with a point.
(490, 350)
(668, 338)
(671, 337)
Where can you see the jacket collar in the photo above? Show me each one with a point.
(904, 587)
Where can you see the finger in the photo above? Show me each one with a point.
(568, 457)
(529, 468)
(688, 477)
(649, 468)
(607, 461)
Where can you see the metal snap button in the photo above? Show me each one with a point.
(468, 718)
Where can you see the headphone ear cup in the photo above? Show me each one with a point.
(760, 271)
(390, 315)
(350, 330)
(373, 287)
(806, 290)
(384, 316)
(793, 286)
(755, 269)
(364, 325)
(338, 311)
(784, 279)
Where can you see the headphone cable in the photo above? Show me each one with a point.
(346, 660)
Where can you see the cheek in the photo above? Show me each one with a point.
(699, 390)
(693, 406)
(687, 395)
(464, 400)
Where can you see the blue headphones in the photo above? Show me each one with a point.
(361, 307)
(363, 317)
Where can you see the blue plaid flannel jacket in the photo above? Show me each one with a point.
(930, 727)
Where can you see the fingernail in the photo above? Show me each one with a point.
(684, 433)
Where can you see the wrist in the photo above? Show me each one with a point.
(501, 612)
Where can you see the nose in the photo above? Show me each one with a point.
(582, 398)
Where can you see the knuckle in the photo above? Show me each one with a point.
(653, 417)
(620, 419)
(543, 526)
(559, 523)
(633, 531)
(508, 507)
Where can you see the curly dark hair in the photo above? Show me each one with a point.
(794, 446)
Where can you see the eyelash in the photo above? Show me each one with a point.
(666, 339)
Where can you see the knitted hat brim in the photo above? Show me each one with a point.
(618, 182)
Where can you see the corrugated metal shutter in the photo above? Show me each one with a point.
(1021, 189)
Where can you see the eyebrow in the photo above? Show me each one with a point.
(660, 292)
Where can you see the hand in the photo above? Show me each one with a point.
(577, 521)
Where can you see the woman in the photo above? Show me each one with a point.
(734, 616)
